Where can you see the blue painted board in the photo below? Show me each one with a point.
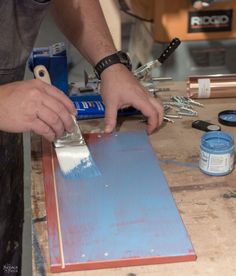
(126, 216)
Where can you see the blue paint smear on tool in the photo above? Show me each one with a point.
(129, 212)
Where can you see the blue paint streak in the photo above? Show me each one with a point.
(38, 258)
(181, 164)
(85, 169)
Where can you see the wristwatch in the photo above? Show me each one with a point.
(118, 57)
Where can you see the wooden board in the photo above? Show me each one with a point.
(125, 217)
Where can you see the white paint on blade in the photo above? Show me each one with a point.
(71, 157)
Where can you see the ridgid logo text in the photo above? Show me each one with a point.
(210, 21)
(215, 20)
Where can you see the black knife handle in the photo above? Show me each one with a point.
(169, 50)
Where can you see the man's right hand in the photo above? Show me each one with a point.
(35, 106)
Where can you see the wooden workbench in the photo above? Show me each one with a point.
(207, 204)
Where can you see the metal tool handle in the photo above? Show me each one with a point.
(169, 50)
(71, 139)
(145, 69)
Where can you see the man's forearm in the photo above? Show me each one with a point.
(83, 22)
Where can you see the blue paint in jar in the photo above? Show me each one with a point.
(216, 153)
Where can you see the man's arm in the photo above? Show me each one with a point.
(85, 26)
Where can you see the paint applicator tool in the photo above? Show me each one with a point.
(72, 152)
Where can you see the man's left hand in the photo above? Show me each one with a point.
(120, 89)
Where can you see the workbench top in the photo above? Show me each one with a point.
(207, 204)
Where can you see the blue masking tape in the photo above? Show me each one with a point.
(216, 153)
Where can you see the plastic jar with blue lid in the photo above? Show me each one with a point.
(216, 153)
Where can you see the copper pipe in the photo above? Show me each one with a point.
(212, 86)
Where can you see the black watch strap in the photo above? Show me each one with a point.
(119, 57)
